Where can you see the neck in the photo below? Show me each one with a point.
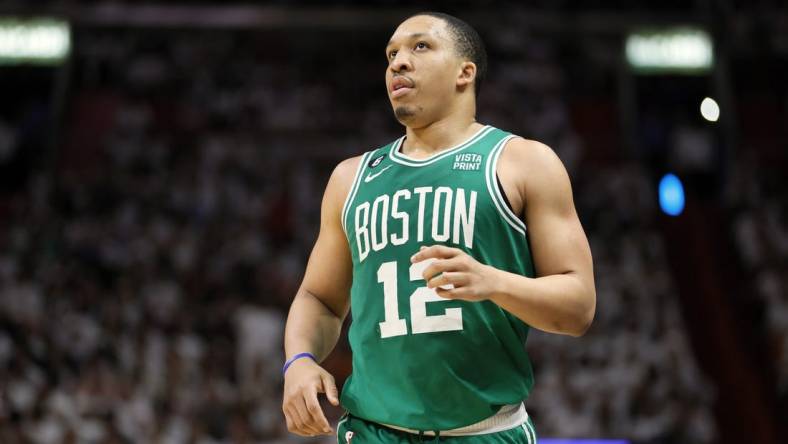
(438, 135)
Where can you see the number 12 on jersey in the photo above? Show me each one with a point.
(393, 325)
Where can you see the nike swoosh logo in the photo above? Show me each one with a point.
(371, 176)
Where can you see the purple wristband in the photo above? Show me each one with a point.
(298, 356)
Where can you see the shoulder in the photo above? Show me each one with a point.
(343, 176)
(531, 156)
(533, 165)
(347, 168)
(346, 171)
(338, 188)
(529, 153)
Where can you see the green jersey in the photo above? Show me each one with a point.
(419, 360)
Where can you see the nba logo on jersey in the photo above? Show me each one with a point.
(348, 436)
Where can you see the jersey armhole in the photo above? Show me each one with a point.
(495, 189)
(354, 189)
(503, 194)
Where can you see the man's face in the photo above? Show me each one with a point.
(421, 77)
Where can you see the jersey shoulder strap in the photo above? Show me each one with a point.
(370, 159)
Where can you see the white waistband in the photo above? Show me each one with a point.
(508, 417)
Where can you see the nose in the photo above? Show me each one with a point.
(401, 62)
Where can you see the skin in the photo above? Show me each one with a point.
(438, 112)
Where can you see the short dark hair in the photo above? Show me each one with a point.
(467, 42)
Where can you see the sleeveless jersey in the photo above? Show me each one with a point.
(421, 361)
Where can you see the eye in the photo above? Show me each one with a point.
(392, 54)
(422, 45)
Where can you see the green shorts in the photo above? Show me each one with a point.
(354, 430)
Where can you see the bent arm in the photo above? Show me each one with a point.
(321, 304)
(562, 298)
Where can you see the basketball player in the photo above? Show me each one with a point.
(448, 245)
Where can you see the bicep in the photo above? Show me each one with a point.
(558, 242)
(329, 274)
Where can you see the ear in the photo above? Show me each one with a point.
(467, 74)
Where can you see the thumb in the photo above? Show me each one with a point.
(330, 389)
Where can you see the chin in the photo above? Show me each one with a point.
(404, 112)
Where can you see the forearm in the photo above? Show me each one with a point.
(560, 303)
(311, 327)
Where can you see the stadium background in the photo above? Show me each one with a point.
(160, 189)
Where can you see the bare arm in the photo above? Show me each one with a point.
(562, 298)
(320, 306)
(322, 302)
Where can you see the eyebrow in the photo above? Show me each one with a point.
(409, 37)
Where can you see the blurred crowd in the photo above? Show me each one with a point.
(760, 234)
(633, 374)
(144, 284)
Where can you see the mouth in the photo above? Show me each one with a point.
(400, 86)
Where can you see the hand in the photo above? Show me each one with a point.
(303, 381)
(461, 276)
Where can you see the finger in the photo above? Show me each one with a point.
(436, 251)
(331, 391)
(454, 293)
(289, 423)
(440, 266)
(317, 418)
(296, 423)
(448, 280)
(293, 422)
(304, 418)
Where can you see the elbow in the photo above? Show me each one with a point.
(584, 319)
(581, 327)
(576, 326)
